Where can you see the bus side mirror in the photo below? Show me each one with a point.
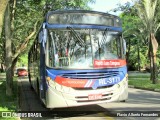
(44, 35)
(43, 39)
(124, 46)
(40, 39)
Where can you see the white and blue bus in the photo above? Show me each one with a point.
(78, 58)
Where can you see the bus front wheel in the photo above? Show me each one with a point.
(123, 101)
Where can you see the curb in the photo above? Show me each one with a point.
(155, 90)
(131, 86)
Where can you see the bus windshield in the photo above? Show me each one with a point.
(78, 48)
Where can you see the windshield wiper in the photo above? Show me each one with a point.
(105, 33)
(76, 36)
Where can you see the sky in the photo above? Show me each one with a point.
(106, 5)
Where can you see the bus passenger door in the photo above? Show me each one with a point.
(42, 40)
(43, 85)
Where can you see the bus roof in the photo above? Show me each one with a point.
(82, 17)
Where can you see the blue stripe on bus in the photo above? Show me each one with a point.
(108, 81)
(59, 26)
(122, 71)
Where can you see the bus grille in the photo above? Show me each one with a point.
(90, 75)
(90, 88)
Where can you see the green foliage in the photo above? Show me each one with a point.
(28, 12)
(23, 60)
(136, 35)
(133, 58)
(26, 16)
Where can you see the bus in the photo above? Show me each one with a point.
(78, 58)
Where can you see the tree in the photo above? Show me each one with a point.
(135, 41)
(146, 10)
(22, 24)
(3, 5)
(8, 48)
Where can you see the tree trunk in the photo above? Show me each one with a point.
(151, 60)
(154, 51)
(155, 71)
(151, 68)
(3, 5)
(2, 67)
(138, 56)
(8, 49)
(14, 64)
(128, 53)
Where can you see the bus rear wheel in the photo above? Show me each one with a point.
(29, 77)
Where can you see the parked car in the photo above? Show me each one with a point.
(22, 72)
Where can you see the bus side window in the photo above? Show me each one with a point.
(38, 51)
(31, 56)
(34, 52)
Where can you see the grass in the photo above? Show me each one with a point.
(140, 76)
(143, 81)
(8, 103)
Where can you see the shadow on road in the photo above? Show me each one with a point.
(139, 100)
(29, 102)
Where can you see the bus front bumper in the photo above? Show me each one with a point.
(58, 96)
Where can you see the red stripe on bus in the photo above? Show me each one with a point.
(71, 82)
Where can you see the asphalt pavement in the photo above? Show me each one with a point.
(138, 100)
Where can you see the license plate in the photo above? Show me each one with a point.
(94, 96)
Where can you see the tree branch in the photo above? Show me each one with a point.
(13, 15)
(25, 43)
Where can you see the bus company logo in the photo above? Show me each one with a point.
(70, 82)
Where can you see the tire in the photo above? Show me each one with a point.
(29, 77)
(38, 92)
(123, 101)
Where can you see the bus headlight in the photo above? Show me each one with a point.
(123, 83)
(48, 79)
(57, 86)
(50, 82)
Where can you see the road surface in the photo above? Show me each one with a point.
(139, 100)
